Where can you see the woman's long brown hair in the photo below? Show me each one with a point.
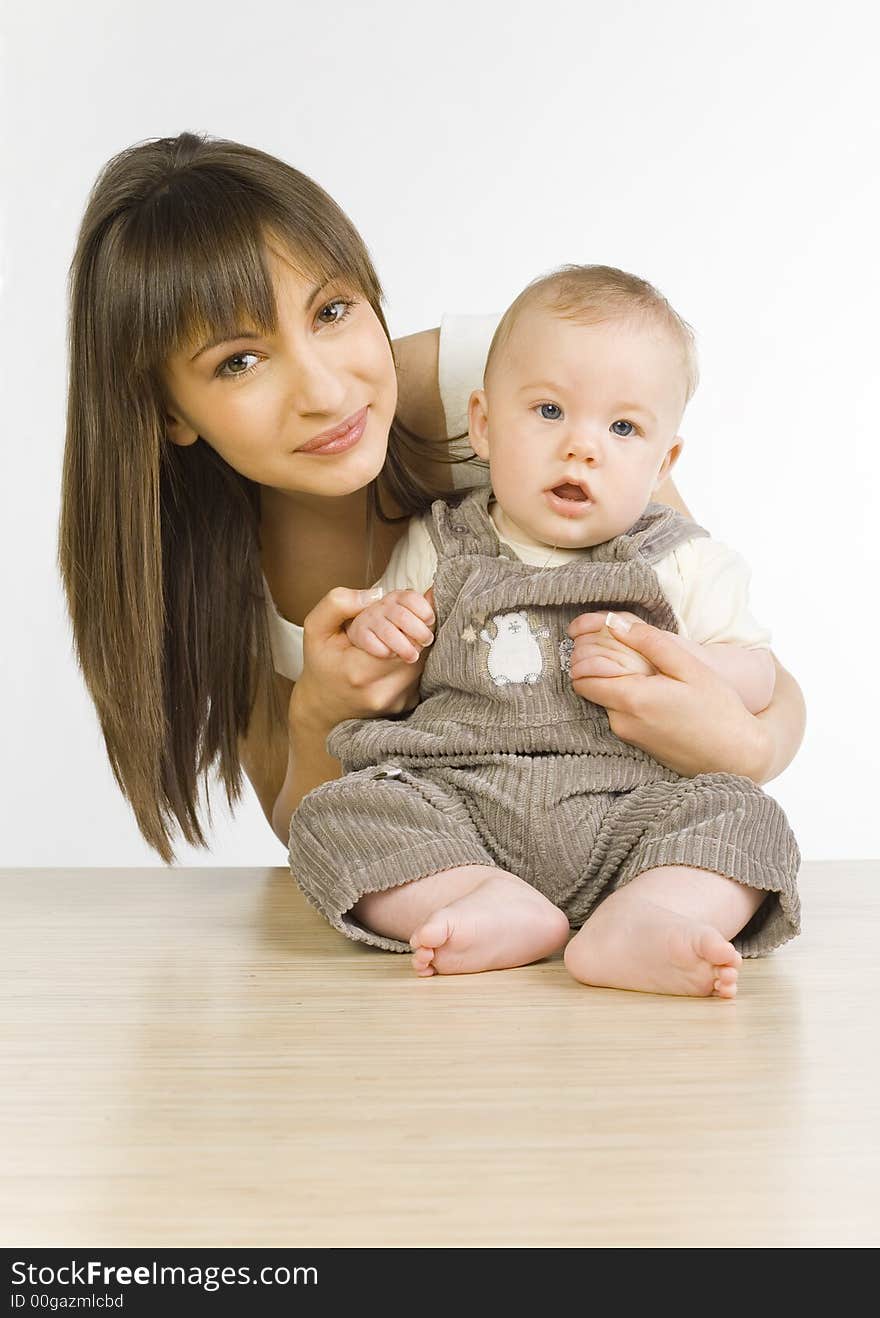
(159, 545)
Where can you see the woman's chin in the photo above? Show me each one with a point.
(340, 479)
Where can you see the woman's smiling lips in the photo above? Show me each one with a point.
(341, 437)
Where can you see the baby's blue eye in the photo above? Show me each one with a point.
(550, 411)
(623, 428)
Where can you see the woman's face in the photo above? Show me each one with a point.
(260, 400)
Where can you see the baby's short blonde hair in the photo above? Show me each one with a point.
(590, 294)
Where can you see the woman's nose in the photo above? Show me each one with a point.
(318, 387)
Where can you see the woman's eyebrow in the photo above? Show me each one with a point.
(226, 338)
(252, 334)
(319, 288)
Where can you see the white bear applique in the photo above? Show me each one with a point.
(514, 653)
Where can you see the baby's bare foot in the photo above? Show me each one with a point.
(630, 943)
(502, 923)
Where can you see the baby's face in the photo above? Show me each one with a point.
(579, 424)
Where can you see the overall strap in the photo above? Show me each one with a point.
(659, 530)
(464, 527)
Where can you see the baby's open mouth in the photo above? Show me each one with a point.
(573, 492)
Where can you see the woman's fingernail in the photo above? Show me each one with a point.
(374, 593)
(616, 623)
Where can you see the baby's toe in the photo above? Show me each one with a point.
(726, 981)
(422, 956)
(434, 932)
(714, 948)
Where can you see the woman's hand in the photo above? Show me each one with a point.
(684, 714)
(339, 680)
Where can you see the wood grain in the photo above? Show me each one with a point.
(192, 1057)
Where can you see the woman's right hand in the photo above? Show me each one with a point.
(340, 681)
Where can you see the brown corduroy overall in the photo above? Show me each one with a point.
(502, 763)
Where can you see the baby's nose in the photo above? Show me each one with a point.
(583, 444)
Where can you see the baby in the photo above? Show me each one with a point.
(502, 811)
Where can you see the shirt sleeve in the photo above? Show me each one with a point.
(707, 585)
(464, 346)
(285, 638)
(413, 561)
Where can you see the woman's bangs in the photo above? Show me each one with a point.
(208, 281)
(198, 265)
(323, 254)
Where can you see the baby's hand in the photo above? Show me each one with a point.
(399, 623)
(598, 653)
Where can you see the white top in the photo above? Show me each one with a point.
(706, 584)
(464, 346)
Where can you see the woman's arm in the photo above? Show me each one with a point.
(782, 726)
(284, 762)
(751, 673)
(308, 763)
(263, 750)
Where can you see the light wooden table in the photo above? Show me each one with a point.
(193, 1058)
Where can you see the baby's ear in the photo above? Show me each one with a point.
(669, 461)
(478, 423)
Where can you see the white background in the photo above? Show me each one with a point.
(726, 152)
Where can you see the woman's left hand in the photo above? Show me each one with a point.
(685, 715)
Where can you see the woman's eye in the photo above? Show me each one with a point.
(622, 428)
(335, 311)
(237, 364)
(550, 411)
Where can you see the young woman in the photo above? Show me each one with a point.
(241, 438)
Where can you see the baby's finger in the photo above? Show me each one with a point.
(598, 665)
(417, 604)
(399, 644)
(368, 640)
(409, 623)
(417, 631)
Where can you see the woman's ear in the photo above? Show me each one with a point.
(478, 423)
(669, 461)
(179, 431)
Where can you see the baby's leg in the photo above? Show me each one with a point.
(466, 919)
(686, 864)
(394, 859)
(667, 931)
